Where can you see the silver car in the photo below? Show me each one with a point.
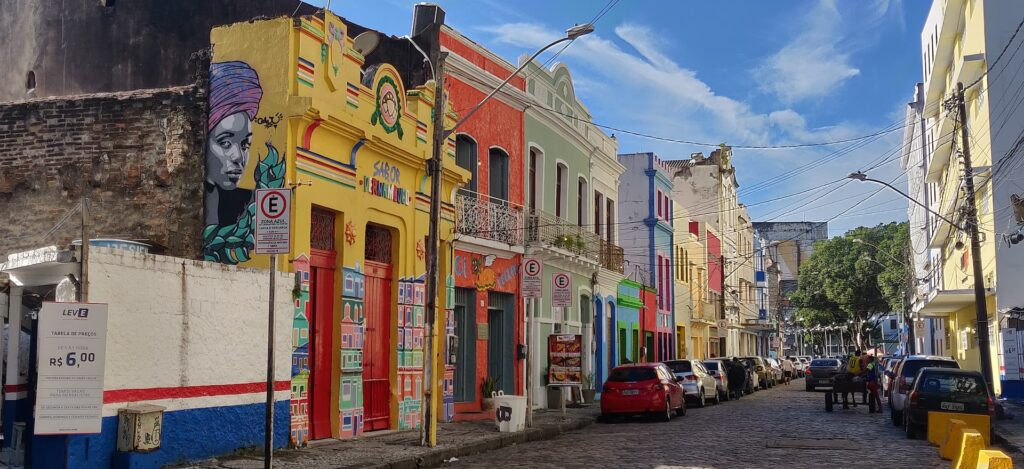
(718, 370)
(697, 383)
(906, 372)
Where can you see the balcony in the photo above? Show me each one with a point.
(484, 217)
(549, 231)
(611, 257)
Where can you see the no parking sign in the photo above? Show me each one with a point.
(561, 292)
(273, 221)
(532, 285)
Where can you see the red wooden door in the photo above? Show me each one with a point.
(376, 346)
(321, 337)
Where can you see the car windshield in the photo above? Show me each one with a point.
(825, 363)
(911, 367)
(631, 374)
(711, 366)
(953, 384)
(679, 367)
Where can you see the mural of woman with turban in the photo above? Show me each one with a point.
(234, 100)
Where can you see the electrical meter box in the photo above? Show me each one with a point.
(139, 428)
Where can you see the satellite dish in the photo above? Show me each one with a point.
(366, 42)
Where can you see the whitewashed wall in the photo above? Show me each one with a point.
(177, 323)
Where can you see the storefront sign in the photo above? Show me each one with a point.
(1011, 355)
(69, 388)
(565, 356)
(533, 286)
(273, 221)
(561, 293)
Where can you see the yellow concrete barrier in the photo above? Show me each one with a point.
(950, 447)
(990, 459)
(938, 425)
(972, 443)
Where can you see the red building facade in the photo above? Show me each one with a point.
(488, 315)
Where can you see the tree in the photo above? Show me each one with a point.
(845, 282)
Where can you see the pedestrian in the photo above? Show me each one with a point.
(737, 377)
(871, 376)
(788, 369)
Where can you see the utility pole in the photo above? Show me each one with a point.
(971, 214)
(428, 434)
(906, 305)
(723, 346)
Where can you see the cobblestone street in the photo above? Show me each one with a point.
(767, 429)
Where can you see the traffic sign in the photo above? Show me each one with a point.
(561, 293)
(533, 286)
(273, 221)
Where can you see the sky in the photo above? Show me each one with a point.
(743, 72)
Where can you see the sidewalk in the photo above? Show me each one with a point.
(395, 450)
(1009, 431)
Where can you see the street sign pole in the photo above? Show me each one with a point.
(268, 440)
(273, 237)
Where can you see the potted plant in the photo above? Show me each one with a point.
(488, 387)
(589, 393)
(580, 245)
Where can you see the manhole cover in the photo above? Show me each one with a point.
(812, 443)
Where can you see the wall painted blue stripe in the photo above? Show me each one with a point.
(188, 435)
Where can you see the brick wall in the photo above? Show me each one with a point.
(138, 155)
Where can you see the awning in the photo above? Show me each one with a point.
(944, 302)
(43, 266)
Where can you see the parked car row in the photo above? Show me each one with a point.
(915, 385)
(664, 389)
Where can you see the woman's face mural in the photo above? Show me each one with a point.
(227, 150)
(235, 95)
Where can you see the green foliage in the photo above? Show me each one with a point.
(489, 385)
(845, 280)
(231, 244)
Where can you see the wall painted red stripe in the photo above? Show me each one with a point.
(16, 387)
(149, 394)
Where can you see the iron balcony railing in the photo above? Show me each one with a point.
(485, 217)
(545, 229)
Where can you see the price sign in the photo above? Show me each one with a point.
(561, 294)
(273, 223)
(533, 286)
(69, 388)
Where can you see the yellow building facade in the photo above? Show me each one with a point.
(294, 106)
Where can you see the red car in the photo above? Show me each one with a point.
(642, 388)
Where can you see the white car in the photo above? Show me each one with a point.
(698, 384)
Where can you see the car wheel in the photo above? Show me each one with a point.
(700, 399)
(897, 417)
(908, 428)
(667, 415)
(681, 411)
(718, 397)
(809, 387)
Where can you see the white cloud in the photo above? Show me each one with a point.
(629, 80)
(814, 63)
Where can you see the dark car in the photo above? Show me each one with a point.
(945, 390)
(906, 371)
(822, 371)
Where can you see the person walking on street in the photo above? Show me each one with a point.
(788, 369)
(737, 375)
(871, 376)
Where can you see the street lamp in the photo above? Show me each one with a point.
(435, 170)
(980, 302)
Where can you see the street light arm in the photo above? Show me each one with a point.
(449, 132)
(863, 177)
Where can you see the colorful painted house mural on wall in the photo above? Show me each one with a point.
(352, 140)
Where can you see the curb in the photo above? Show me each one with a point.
(436, 457)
